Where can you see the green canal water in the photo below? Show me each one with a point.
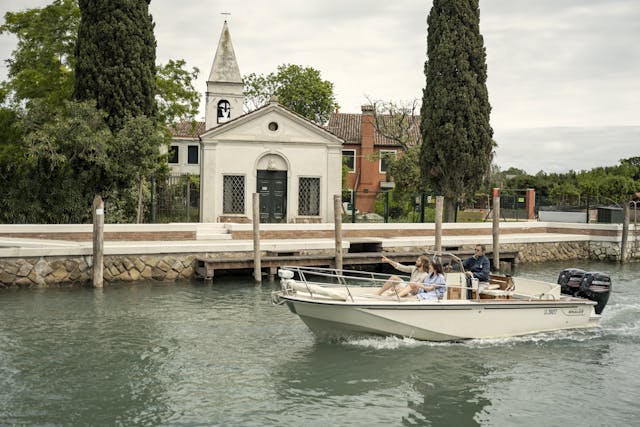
(191, 354)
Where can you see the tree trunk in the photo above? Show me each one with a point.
(139, 210)
(449, 210)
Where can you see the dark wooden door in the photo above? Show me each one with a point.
(272, 187)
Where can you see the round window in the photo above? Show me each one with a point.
(273, 126)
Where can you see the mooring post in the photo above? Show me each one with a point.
(496, 229)
(257, 267)
(337, 219)
(625, 234)
(439, 210)
(98, 242)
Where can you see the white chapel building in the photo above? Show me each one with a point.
(294, 164)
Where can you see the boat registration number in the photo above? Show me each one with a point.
(550, 311)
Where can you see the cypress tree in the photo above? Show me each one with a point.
(115, 58)
(457, 147)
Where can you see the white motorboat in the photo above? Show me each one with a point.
(340, 304)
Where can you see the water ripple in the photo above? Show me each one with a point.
(191, 354)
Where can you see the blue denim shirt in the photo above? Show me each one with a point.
(479, 267)
(438, 292)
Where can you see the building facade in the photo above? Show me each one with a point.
(293, 164)
(366, 152)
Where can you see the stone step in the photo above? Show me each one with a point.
(213, 236)
(212, 232)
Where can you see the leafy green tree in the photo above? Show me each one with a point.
(138, 139)
(301, 89)
(617, 188)
(457, 147)
(12, 164)
(66, 152)
(565, 193)
(176, 97)
(41, 66)
(631, 167)
(36, 96)
(406, 172)
(115, 59)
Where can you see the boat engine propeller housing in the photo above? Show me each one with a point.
(592, 285)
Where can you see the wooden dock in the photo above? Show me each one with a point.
(207, 266)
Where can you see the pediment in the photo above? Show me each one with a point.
(271, 123)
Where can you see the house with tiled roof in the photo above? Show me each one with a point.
(366, 151)
(292, 163)
(184, 151)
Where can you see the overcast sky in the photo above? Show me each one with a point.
(564, 75)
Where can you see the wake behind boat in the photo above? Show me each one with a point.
(340, 304)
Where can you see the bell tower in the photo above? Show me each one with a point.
(224, 99)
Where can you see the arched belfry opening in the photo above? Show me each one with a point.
(224, 111)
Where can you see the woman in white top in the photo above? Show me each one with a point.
(397, 285)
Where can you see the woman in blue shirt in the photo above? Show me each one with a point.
(434, 285)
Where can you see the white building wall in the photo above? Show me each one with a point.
(240, 158)
(183, 166)
(208, 198)
(237, 149)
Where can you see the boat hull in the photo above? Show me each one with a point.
(442, 321)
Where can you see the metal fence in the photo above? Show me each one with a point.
(175, 198)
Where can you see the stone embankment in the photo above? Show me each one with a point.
(31, 262)
(45, 271)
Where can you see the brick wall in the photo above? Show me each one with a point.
(113, 236)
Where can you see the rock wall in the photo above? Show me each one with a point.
(61, 271)
(552, 251)
(47, 271)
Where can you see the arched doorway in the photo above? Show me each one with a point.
(272, 187)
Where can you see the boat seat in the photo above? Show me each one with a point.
(496, 293)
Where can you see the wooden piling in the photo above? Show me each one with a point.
(439, 210)
(257, 268)
(337, 219)
(98, 242)
(625, 234)
(496, 229)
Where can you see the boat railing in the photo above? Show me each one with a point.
(326, 277)
(315, 279)
(550, 293)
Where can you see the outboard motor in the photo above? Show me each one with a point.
(570, 280)
(595, 286)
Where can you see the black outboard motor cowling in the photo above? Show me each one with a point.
(595, 286)
(570, 280)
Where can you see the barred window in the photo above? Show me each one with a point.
(233, 197)
(309, 196)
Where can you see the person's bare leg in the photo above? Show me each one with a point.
(405, 291)
(393, 280)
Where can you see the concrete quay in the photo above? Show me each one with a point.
(43, 255)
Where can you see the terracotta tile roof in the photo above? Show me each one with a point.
(188, 129)
(414, 133)
(347, 127)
